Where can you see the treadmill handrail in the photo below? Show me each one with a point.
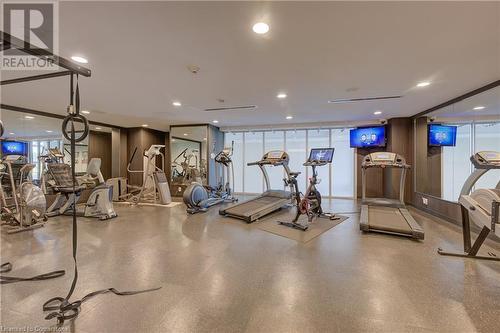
(374, 165)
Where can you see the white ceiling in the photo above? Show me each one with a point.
(138, 52)
(488, 100)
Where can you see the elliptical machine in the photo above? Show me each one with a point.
(199, 198)
(154, 189)
(310, 203)
(27, 211)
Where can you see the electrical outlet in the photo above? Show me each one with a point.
(425, 201)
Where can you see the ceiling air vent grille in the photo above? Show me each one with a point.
(232, 108)
(362, 99)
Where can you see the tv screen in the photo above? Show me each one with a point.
(14, 148)
(367, 137)
(321, 155)
(442, 135)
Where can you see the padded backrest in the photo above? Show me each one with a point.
(61, 173)
(94, 167)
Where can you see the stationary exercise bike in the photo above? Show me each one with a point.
(199, 198)
(310, 203)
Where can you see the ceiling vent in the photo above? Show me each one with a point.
(363, 99)
(233, 108)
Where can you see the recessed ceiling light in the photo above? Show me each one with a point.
(289, 117)
(479, 107)
(12, 133)
(377, 112)
(260, 28)
(176, 103)
(48, 131)
(144, 125)
(423, 84)
(85, 112)
(281, 95)
(185, 134)
(29, 117)
(98, 128)
(79, 59)
(215, 121)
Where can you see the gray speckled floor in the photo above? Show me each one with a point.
(223, 275)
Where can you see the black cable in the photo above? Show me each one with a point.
(7, 267)
(61, 307)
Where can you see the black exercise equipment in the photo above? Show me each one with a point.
(310, 203)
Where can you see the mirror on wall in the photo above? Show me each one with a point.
(188, 153)
(445, 140)
(35, 134)
(38, 139)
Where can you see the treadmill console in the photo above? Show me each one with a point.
(275, 157)
(486, 160)
(384, 159)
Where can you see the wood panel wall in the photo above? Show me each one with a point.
(385, 183)
(428, 161)
(100, 147)
(142, 138)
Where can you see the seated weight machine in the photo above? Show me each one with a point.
(99, 203)
(310, 203)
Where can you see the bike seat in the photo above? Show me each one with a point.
(294, 174)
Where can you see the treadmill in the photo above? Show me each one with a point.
(271, 200)
(385, 215)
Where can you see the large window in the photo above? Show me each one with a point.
(254, 149)
(237, 159)
(275, 140)
(456, 165)
(40, 147)
(320, 139)
(297, 150)
(343, 164)
(337, 179)
(487, 137)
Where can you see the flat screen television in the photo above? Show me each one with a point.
(14, 148)
(442, 135)
(365, 137)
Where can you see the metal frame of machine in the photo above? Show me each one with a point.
(482, 206)
(271, 200)
(407, 225)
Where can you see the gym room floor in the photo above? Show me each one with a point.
(220, 274)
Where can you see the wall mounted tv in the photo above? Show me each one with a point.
(442, 135)
(366, 137)
(14, 148)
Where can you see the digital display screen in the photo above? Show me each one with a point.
(321, 155)
(14, 148)
(275, 154)
(367, 137)
(441, 135)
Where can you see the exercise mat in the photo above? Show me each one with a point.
(319, 226)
